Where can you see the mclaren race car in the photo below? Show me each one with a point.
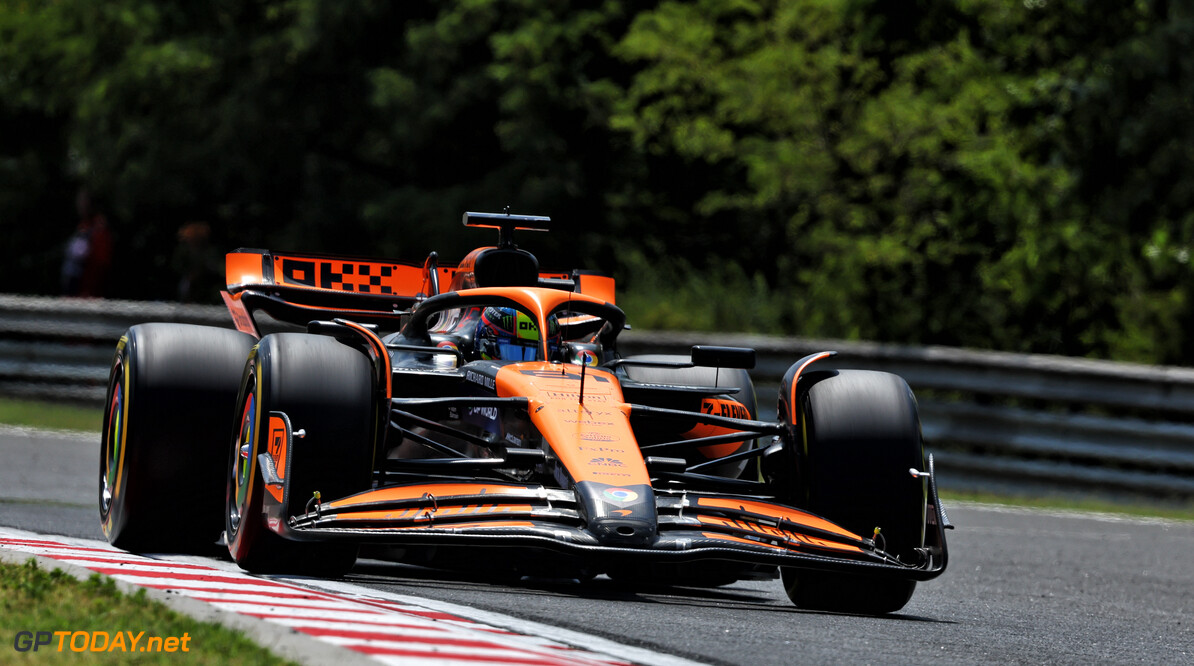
(430, 411)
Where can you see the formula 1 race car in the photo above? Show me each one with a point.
(498, 413)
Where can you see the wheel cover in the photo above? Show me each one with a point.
(113, 445)
(242, 459)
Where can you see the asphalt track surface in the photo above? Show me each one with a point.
(1023, 586)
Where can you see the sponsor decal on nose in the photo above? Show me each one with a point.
(620, 494)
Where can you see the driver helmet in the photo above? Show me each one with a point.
(509, 334)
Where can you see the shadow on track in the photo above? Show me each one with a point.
(409, 578)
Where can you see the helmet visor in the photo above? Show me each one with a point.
(518, 350)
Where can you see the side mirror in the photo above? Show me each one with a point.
(723, 357)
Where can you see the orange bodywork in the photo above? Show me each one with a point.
(767, 520)
(398, 493)
(240, 314)
(591, 437)
(364, 277)
(793, 399)
(720, 407)
(597, 286)
(277, 450)
(768, 532)
(243, 268)
(442, 513)
(536, 299)
(382, 357)
(773, 513)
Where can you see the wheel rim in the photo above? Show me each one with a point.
(241, 467)
(113, 442)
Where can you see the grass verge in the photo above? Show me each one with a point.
(75, 617)
(38, 414)
(1137, 508)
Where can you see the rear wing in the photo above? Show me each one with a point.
(297, 288)
(307, 272)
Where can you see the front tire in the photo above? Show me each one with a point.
(171, 391)
(861, 434)
(326, 389)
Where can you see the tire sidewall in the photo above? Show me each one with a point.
(114, 433)
(315, 381)
(852, 467)
(242, 536)
(169, 389)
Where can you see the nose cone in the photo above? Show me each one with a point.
(619, 515)
(623, 531)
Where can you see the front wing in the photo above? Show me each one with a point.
(692, 526)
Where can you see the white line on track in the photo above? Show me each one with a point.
(29, 431)
(1102, 516)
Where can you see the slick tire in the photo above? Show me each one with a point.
(861, 436)
(167, 418)
(326, 390)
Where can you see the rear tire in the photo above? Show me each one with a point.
(171, 391)
(326, 389)
(861, 436)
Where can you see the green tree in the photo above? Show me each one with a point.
(977, 173)
(363, 127)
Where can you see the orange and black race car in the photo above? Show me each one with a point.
(432, 411)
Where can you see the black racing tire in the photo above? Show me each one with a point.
(861, 436)
(326, 389)
(167, 418)
(731, 378)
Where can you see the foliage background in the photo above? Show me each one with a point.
(984, 173)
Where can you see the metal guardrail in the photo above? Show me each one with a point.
(60, 348)
(995, 421)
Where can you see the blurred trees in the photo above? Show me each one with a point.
(364, 127)
(975, 172)
(982, 173)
